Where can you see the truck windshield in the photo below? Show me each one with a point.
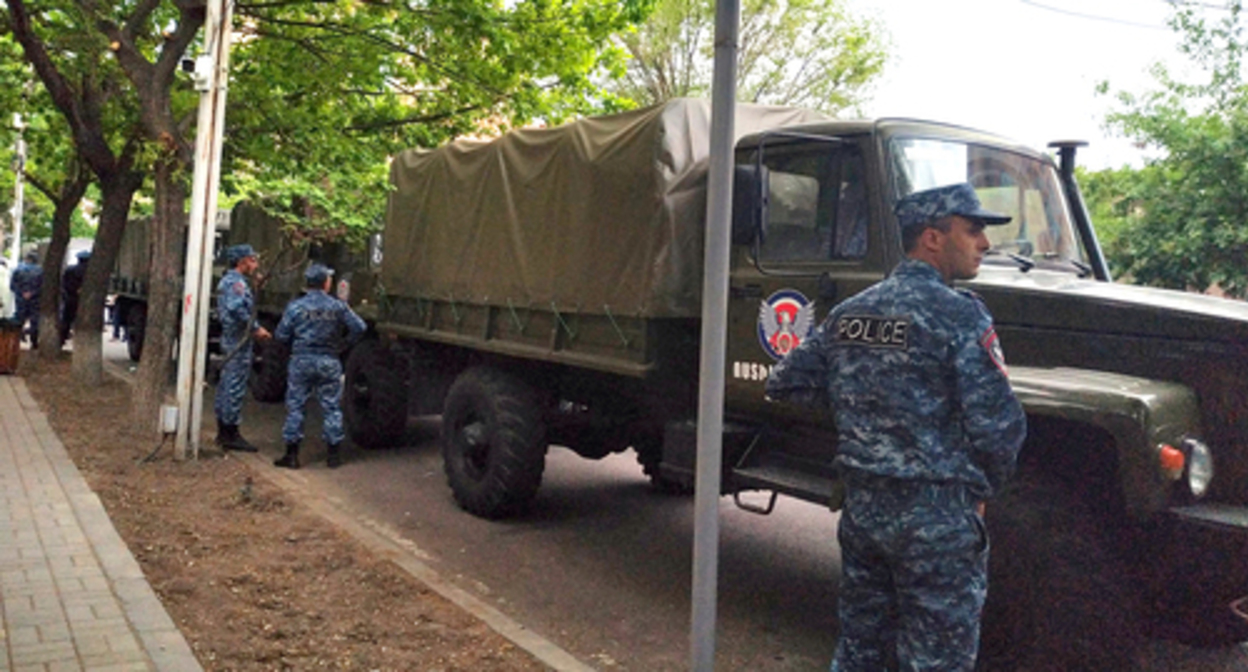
(1023, 187)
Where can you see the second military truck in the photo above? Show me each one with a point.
(544, 288)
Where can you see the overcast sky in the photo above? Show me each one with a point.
(1026, 69)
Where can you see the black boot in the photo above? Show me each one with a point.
(334, 460)
(230, 439)
(291, 459)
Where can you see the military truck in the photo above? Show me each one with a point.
(283, 257)
(129, 282)
(544, 288)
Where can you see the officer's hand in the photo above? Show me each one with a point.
(262, 334)
(980, 508)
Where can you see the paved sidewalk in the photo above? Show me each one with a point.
(72, 597)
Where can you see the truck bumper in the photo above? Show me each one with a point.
(1202, 589)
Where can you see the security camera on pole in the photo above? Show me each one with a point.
(210, 74)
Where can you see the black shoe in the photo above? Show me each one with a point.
(230, 439)
(291, 459)
(334, 460)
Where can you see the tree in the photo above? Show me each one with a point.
(1193, 201)
(808, 53)
(323, 92)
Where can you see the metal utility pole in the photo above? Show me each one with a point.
(212, 70)
(19, 180)
(714, 336)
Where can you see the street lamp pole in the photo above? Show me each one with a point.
(211, 77)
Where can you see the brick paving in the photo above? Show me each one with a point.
(72, 596)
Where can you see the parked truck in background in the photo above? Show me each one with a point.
(544, 288)
(129, 282)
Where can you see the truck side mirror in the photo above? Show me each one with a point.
(749, 204)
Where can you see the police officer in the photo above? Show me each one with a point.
(26, 284)
(928, 430)
(238, 327)
(71, 287)
(311, 325)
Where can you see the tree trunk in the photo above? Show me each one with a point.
(118, 191)
(166, 241)
(66, 201)
(50, 293)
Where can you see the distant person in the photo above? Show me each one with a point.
(114, 317)
(238, 328)
(312, 325)
(928, 430)
(26, 283)
(71, 287)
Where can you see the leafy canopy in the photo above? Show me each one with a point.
(806, 53)
(1184, 215)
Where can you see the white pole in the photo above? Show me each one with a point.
(212, 72)
(714, 331)
(19, 207)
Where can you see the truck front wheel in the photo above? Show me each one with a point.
(376, 396)
(493, 443)
(1059, 597)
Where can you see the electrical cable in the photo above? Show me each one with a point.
(1094, 17)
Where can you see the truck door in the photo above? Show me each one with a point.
(819, 246)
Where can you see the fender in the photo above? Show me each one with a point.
(1141, 414)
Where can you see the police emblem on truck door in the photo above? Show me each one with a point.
(784, 321)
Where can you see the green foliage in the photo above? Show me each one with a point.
(807, 53)
(1192, 203)
(322, 93)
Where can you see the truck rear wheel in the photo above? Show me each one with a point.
(493, 443)
(1058, 596)
(376, 392)
(136, 324)
(268, 371)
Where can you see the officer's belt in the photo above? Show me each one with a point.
(916, 491)
(308, 350)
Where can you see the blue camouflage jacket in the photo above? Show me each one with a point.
(914, 373)
(234, 304)
(312, 323)
(26, 277)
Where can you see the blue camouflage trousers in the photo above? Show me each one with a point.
(228, 404)
(914, 576)
(307, 374)
(28, 309)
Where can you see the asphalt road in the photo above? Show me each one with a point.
(601, 564)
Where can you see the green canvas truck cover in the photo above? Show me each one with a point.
(604, 215)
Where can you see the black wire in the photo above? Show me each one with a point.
(152, 455)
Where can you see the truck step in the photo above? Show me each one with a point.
(786, 480)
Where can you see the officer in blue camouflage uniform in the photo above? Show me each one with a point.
(312, 325)
(238, 328)
(26, 283)
(928, 430)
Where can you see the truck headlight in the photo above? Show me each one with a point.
(1199, 466)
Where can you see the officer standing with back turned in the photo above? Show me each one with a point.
(312, 325)
(238, 327)
(26, 283)
(928, 430)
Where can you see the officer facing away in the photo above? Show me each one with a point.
(26, 284)
(238, 327)
(71, 288)
(928, 430)
(311, 325)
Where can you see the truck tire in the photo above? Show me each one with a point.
(493, 443)
(376, 396)
(268, 371)
(1058, 596)
(136, 325)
